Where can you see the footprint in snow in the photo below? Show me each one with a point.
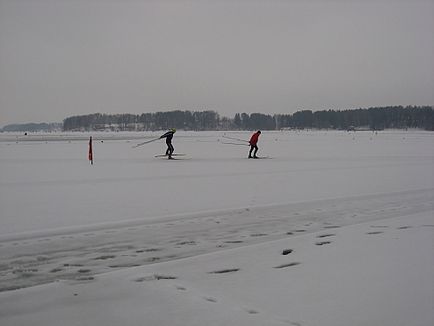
(72, 265)
(155, 277)
(225, 271)
(325, 235)
(287, 265)
(85, 278)
(183, 243)
(375, 232)
(25, 272)
(105, 257)
(322, 243)
(84, 270)
(148, 250)
(287, 251)
(210, 299)
(125, 265)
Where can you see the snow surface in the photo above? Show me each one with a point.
(333, 228)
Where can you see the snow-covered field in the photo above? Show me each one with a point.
(331, 228)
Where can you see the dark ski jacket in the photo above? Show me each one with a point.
(168, 135)
(254, 139)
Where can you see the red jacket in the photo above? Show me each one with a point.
(254, 139)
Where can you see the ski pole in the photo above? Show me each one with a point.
(226, 143)
(233, 138)
(146, 142)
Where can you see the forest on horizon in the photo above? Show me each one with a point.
(373, 118)
(377, 118)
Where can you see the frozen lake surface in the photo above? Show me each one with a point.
(217, 239)
(50, 184)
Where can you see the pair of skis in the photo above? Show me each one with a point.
(166, 155)
(152, 140)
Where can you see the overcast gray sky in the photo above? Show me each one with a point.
(67, 57)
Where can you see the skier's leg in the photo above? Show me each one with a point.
(171, 150)
(168, 147)
(250, 152)
(256, 150)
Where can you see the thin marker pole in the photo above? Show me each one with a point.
(90, 151)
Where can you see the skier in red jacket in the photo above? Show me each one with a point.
(253, 144)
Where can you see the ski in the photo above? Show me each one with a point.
(165, 155)
(176, 158)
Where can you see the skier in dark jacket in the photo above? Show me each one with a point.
(169, 135)
(253, 144)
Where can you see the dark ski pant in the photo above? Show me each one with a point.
(170, 149)
(253, 147)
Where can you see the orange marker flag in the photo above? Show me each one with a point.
(90, 151)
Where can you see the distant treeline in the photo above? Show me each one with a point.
(32, 127)
(373, 118)
(203, 120)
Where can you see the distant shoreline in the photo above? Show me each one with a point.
(376, 118)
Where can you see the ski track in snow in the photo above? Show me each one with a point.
(81, 255)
